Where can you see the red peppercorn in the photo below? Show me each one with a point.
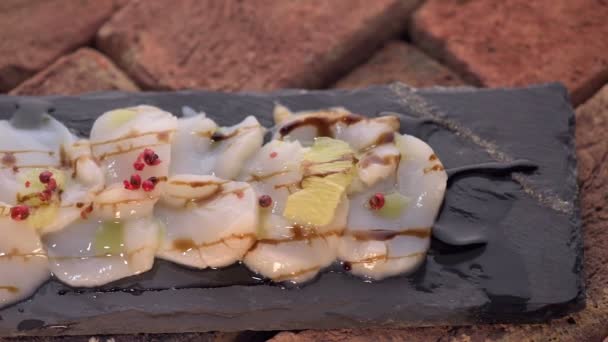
(376, 202)
(45, 195)
(127, 185)
(265, 201)
(273, 155)
(150, 157)
(45, 176)
(135, 181)
(20, 212)
(27, 184)
(139, 165)
(148, 185)
(51, 185)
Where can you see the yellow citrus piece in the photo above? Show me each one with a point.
(316, 203)
(42, 215)
(394, 205)
(119, 117)
(109, 238)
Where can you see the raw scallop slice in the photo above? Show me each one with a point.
(287, 251)
(93, 252)
(358, 131)
(40, 144)
(118, 139)
(209, 222)
(201, 148)
(394, 240)
(119, 136)
(23, 262)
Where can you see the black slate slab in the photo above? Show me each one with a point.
(528, 271)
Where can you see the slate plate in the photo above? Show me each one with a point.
(529, 270)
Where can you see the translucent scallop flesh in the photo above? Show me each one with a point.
(46, 145)
(379, 244)
(286, 252)
(23, 262)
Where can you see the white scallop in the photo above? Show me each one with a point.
(117, 139)
(75, 259)
(281, 252)
(117, 143)
(41, 146)
(23, 262)
(361, 134)
(194, 151)
(403, 241)
(209, 222)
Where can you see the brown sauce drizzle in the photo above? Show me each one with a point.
(384, 234)
(131, 135)
(10, 289)
(64, 161)
(256, 178)
(184, 245)
(196, 184)
(9, 159)
(218, 136)
(164, 136)
(300, 234)
(288, 276)
(320, 123)
(375, 159)
(385, 138)
(14, 253)
(436, 167)
(384, 257)
(123, 151)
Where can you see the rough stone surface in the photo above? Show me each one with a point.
(519, 42)
(590, 324)
(400, 62)
(34, 33)
(253, 45)
(83, 71)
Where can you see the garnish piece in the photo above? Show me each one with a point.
(265, 201)
(376, 202)
(45, 176)
(149, 184)
(150, 157)
(39, 185)
(134, 183)
(273, 154)
(139, 165)
(109, 238)
(328, 155)
(394, 205)
(45, 195)
(20, 212)
(318, 200)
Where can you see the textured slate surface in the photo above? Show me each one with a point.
(530, 269)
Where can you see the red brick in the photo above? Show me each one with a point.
(399, 61)
(34, 33)
(83, 71)
(519, 42)
(591, 324)
(256, 45)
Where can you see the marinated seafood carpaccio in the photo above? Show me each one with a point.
(330, 186)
